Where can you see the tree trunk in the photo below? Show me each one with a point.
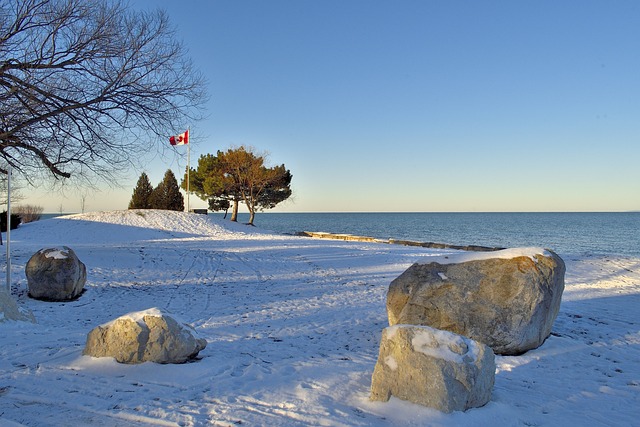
(249, 201)
(234, 211)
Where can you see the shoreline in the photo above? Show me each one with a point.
(432, 245)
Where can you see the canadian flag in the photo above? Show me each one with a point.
(182, 139)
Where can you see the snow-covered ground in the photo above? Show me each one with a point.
(293, 326)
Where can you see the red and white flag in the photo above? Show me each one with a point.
(182, 139)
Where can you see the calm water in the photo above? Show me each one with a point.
(565, 233)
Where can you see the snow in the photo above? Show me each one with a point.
(391, 362)
(293, 326)
(56, 253)
(444, 345)
(510, 253)
(139, 316)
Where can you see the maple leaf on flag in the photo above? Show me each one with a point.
(182, 139)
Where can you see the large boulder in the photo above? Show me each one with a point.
(434, 368)
(145, 336)
(55, 274)
(506, 299)
(9, 310)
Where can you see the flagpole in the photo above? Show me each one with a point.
(8, 229)
(188, 166)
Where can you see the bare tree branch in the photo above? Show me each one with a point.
(86, 86)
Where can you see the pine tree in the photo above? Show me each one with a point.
(141, 198)
(167, 194)
(240, 175)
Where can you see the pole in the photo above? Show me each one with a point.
(188, 165)
(8, 229)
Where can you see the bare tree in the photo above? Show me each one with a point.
(87, 86)
(17, 189)
(83, 202)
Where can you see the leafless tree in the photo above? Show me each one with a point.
(83, 202)
(18, 187)
(87, 86)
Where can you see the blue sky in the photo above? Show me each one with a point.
(418, 105)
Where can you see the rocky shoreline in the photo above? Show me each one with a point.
(432, 245)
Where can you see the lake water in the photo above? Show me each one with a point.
(566, 233)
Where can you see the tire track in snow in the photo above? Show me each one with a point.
(193, 292)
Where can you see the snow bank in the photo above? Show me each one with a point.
(133, 225)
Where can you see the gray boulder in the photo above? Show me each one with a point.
(433, 368)
(506, 299)
(55, 274)
(145, 336)
(9, 310)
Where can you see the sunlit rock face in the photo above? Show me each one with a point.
(434, 368)
(55, 274)
(505, 299)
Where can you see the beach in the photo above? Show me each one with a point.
(293, 326)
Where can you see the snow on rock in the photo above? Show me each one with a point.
(10, 311)
(145, 336)
(445, 345)
(55, 253)
(529, 252)
(434, 368)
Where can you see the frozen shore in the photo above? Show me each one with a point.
(293, 326)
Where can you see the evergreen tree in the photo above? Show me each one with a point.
(277, 188)
(167, 194)
(15, 222)
(240, 175)
(210, 182)
(141, 198)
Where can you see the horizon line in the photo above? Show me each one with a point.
(367, 212)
